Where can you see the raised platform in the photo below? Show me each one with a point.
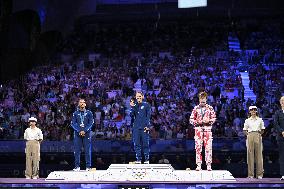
(141, 173)
(239, 183)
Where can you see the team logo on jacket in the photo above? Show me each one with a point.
(142, 107)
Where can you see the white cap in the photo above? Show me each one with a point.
(32, 119)
(252, 107)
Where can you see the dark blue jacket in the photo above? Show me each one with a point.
(88, 120)
(141, 114)
(279, 124)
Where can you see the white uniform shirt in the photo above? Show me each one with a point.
(253, 124)
(33, 134)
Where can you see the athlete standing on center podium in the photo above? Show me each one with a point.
(141, 113)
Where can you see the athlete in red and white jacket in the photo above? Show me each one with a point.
(202, 117)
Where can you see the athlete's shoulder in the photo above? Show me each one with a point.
(196, 107)
(145, 103)
(210, 107)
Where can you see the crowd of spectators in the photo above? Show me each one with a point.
(174, 62)
(266, 41)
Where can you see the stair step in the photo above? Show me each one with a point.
(248, 93)
(234, 43)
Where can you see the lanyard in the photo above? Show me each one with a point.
(82, 117)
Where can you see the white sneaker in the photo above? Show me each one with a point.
(88, 169)
(282, 178)
(146, 162)
(198, 168)
(76, 169)
(137, 162)
(209, 167)
(28, 178)
(259, 177)
(36, 177)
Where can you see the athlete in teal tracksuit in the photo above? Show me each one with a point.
(141, 113)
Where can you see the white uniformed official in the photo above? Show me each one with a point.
(254, 128)
(33, 136)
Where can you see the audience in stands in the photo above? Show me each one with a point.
(171, 64)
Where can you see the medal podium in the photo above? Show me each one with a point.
(141, 173)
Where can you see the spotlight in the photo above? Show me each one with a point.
(191, 3)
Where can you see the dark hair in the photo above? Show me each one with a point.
(82, 97)
(249, 114)
(140, 92)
